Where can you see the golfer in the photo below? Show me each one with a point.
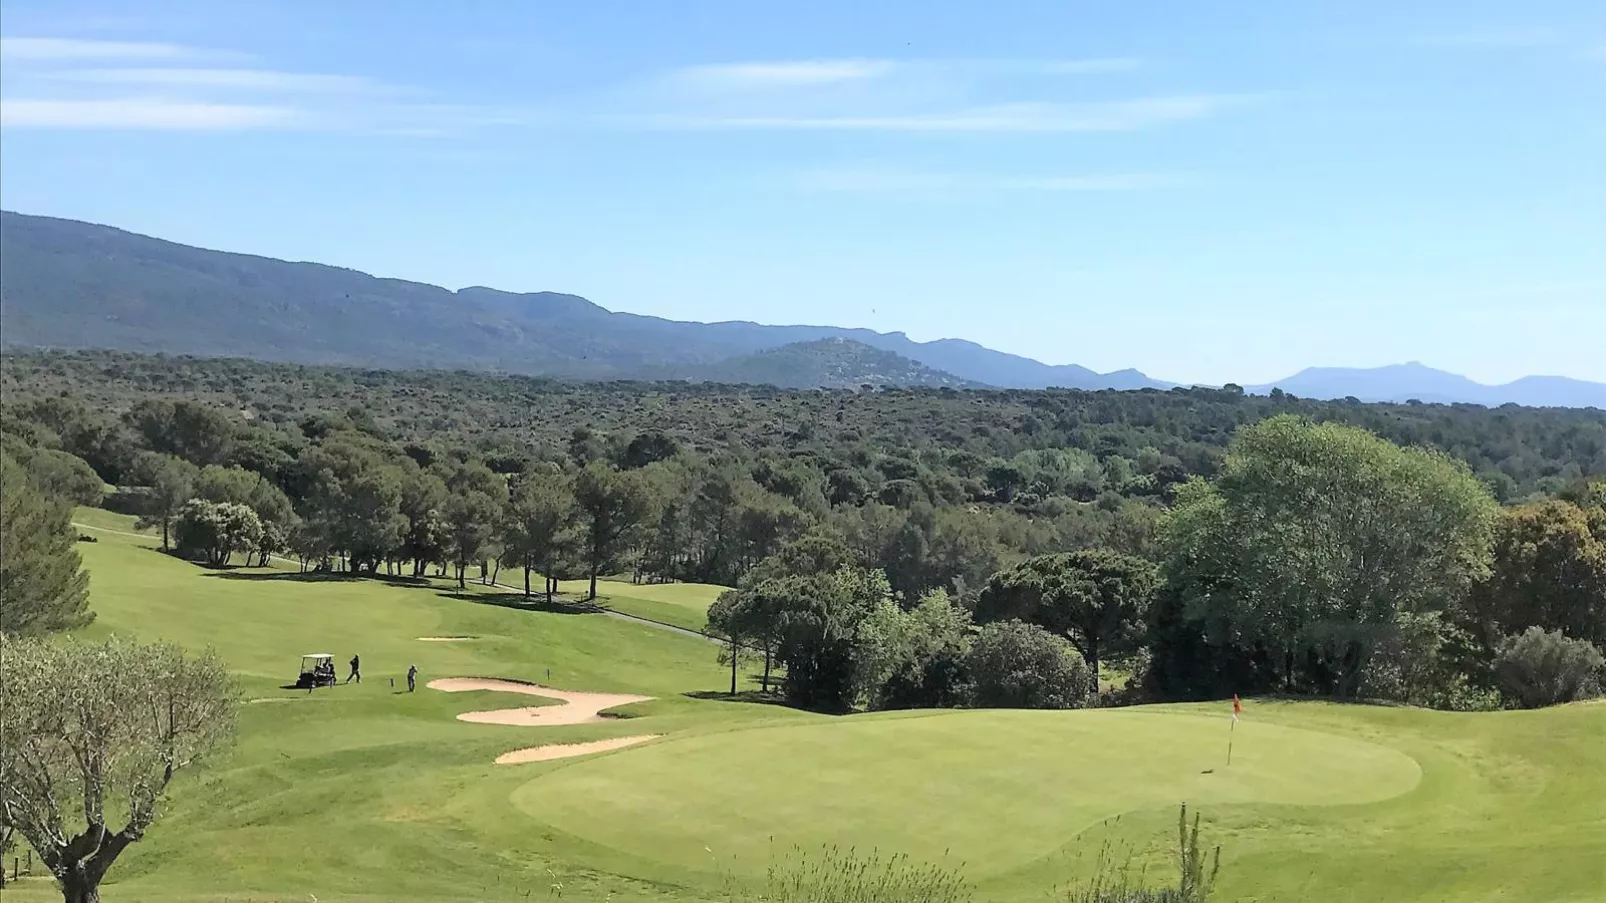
(412, 677)
(356, 669)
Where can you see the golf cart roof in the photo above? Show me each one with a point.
(317, 655)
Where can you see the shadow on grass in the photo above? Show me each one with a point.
(519, 602)
(320, 577)
(756, 697)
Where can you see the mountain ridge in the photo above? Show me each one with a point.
(71, 284)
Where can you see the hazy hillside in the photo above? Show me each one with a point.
(829, 363)
(69, 284)
(1405, 382)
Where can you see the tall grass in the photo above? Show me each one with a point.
(834, 875)
(1116, 881)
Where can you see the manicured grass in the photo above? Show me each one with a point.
(681, 604)
(363, 793)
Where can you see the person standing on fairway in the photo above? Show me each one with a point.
(356, 669)
(412, 677)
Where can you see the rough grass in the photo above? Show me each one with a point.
(362, 793)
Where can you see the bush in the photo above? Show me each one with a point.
(1545, 667)
(1115, 881)
(1015, 665)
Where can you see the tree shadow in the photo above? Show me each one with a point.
(320, 577)
(754, 697)
(519, 602)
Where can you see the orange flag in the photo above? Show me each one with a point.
(1237, 707)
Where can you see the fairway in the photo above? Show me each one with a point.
(681, 604)
(368, 793)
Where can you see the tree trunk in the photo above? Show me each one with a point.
(77, 888)
(768, 658)
(551, 587)
(734, 650)
(1093, 663)
(526, 581)
(593, 596)
(461, 583)
(496, 572)
(164, 533)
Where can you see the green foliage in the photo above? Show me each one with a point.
(217, 530)
(1016, 665)
(611, 504)
(43, 586)
(1097, 598)
(65, 476)
(816, 624)
(1316, 536)
(904, 658)
(1549, 571)
(1544, 667)
(169, 482)
(536, 531)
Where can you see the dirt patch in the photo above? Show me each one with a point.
(576, 708)
(445, 639)
(567, 750)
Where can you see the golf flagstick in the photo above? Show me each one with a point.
(1237, 707)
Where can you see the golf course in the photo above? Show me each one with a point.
(366, 792)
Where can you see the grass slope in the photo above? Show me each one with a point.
(681, 604)
(362, 793)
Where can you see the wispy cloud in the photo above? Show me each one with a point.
(779, 74)
(1106, 116)
(243, 79)
(79, 49)
(915, 183)
(916, 96)
(73, 83)
(142, 113)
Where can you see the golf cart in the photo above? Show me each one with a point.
(317, 670)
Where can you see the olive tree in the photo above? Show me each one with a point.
(91, 734)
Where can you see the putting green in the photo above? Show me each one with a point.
(1000, 789)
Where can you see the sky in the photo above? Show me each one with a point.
(1222, 192)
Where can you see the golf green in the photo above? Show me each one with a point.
(1026, 783)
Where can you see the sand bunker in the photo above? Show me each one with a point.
(566, 750)
(444, 639)
(577, 708)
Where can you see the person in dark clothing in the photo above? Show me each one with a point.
(356, 670)
(412, 677)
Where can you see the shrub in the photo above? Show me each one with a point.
(1544, 667)
(1015, 665)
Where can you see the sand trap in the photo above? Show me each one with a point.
(444, 639)
(567, 750)
(577, 708)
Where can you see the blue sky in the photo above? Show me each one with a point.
(1208, 192)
